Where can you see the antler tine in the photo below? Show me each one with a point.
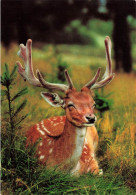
(27, 73)
(95, 78)
(108, 75)
(51, 86)
(108, 46)
(70, 83)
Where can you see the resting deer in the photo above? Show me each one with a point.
(70, 141)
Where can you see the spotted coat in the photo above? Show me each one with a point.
(49, 130)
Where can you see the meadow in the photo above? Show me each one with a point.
(116, 127)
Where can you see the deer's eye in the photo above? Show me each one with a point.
(70, 106)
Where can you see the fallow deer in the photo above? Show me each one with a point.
(70, 141)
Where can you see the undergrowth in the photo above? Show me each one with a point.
(21, 173)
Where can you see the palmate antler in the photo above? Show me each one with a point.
(108, 75)
(27, 73)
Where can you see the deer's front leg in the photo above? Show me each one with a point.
(88, 162)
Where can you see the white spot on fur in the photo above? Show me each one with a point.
(44, 128)
(49, 142)
(41, 144)
(42, 132)
(50, 151)
(38, 128)
(56, 124)
(61, 118)
(42, 157)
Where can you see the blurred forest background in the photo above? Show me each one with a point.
(73, 22)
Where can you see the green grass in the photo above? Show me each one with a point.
(116, 151)
(42, 181)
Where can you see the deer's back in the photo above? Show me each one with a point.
(48, 130)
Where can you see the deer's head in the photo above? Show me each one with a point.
(79, 106)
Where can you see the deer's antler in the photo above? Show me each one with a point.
(108, 75)
(27, 73)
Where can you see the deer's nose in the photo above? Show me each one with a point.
(91, 119)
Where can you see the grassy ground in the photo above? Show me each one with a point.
(117, 128)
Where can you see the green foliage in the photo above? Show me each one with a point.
(12, 122)
(132, 21)
(62, 65)
(21, 92)
(100, 27)
(93, 33)
(7, 81)
(58, 76)
(102, 101)
(7, 78)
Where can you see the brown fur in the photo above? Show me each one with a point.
(59, 135)
(59, 145)
(63, 145)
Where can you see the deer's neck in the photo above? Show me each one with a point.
(79, 141)
(70, 144)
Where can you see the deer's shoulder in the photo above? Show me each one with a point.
(53, 127)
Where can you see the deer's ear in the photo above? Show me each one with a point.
(53, 99)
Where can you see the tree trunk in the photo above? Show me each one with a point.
(122, 45)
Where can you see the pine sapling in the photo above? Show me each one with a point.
(11, 115)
